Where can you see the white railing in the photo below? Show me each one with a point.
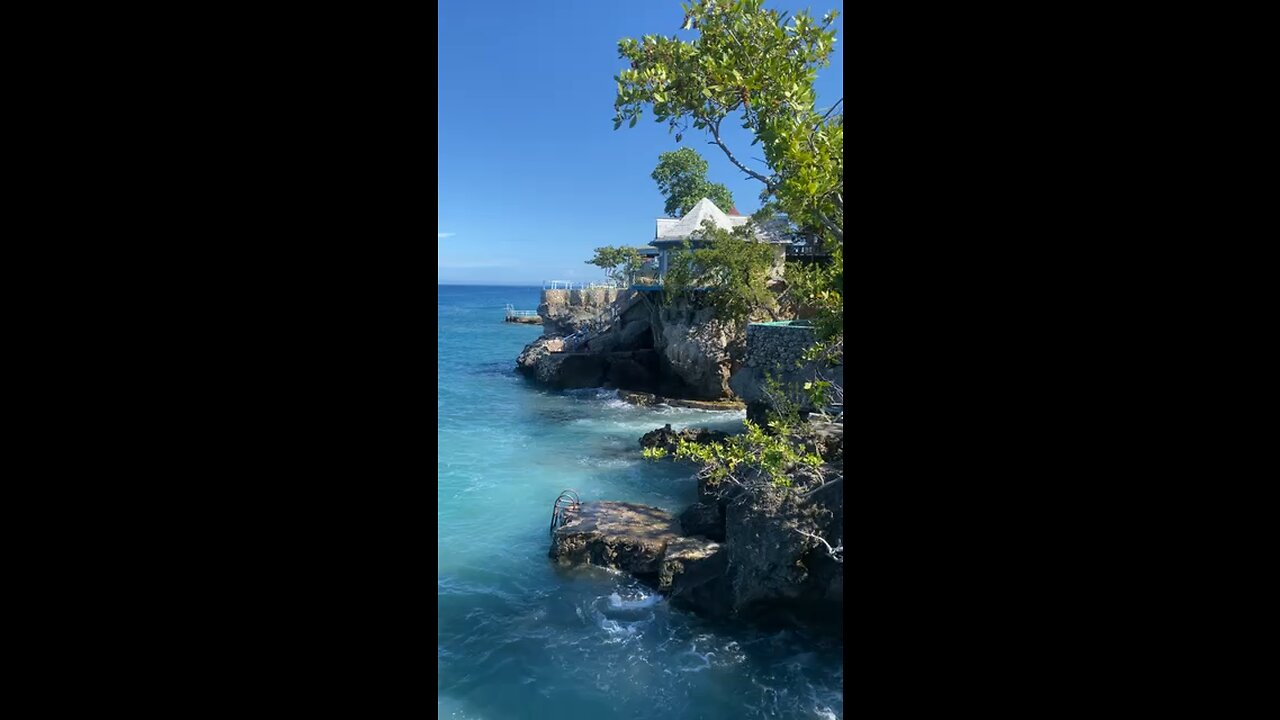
(513, 312)
(568, 285)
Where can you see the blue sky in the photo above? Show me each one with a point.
(531, 174)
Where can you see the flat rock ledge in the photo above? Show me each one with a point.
(624, 536)
(646, 542)
(644, 398)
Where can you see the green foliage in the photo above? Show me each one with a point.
(617, 262)
(760, 66)
(732, 267)
(776, 455)
(818, 392)
(654, 453)
(817, 292)
(776, 451)
(682, 178)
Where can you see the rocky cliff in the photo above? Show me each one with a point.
(741, 550)
(632, 342)
(565, 312)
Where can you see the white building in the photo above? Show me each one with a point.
(672, 233)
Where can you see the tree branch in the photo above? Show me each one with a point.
(715, 133)
(833, 107)
(837, 230)
(836, 553)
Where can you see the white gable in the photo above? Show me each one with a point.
(671, 229)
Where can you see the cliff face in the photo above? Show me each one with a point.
(634, 343)
(699, 349)
(565, 312)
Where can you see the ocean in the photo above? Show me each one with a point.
(521, 638)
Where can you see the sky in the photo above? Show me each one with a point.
(532, 176)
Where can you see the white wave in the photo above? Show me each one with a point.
(616, 602)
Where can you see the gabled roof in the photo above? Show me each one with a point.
(672, 229)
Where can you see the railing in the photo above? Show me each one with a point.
(512, 312)
(568, 285)
(568, 502)
(809, 250)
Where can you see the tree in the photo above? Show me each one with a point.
(731, 268)
(617, 262)
(760, 65)
(682, 177)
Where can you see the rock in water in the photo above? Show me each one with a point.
(618, 535)
(536, 350)
(640, 398)
(666, 438)
(693, 572)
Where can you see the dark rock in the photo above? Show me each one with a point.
(771, 562)
(666, 438)
(618, 535)
(579, 370)
(640, 398)
(604, 343)
(722, 405)
(705, 519)
(693, 572)
(535, 351)
(637, 335)
(629, 372)
(828, 440)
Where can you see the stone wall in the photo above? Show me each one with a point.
(774, 351)
(769, 346)
(564, 312)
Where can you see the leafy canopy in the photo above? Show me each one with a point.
(732, 268)
(682, 178)
(617, 262)
(760, 66)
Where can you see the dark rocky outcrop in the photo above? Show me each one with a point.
(705, 519)
(666, 438)
(535, 351)
(741, 553)
(618, 535)
(565, 371)
(640, 398)
(646, 398)
(827, 440)
(693, 353)
(693, 572)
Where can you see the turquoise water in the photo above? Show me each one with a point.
(520, 638)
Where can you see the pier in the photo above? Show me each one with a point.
(527, 317)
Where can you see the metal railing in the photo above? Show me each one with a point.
(512, 312)
(569, 285)
(565, 504)
(807, 250)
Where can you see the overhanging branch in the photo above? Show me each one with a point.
(714, 126)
